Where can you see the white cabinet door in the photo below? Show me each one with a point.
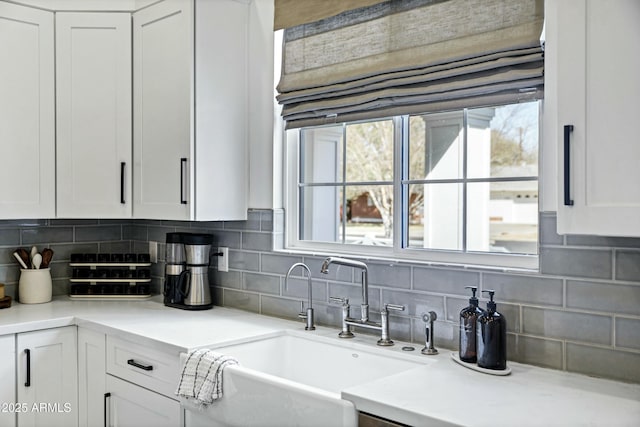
(91, 378)
(598, 90)
(47, 377)
(162, 112)
(93, 99)
(190, 110)
(27, 116)
(133, 406)
(8, 375)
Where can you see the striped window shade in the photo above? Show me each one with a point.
(411, 56)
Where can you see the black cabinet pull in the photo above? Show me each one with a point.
(28, 353)
(183, 162)
(106, 407)
(137, 365)
(567, 165)
(122, 165)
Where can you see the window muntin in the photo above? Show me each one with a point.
(464, 181)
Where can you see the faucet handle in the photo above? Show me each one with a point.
(343, 301)
(395, 307)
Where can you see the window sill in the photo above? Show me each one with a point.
(523, 264)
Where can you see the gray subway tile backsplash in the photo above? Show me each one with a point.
(521, 288)
(261, 283)
(98, 233)
(605, 297)
(239, 260)
(567, 325)
(548, 231)
(628, 332)
(536, 351)
(280, 264)
(628, 265)
(38, 235)
(603, 362)
(389, 275)
(580, 313)
(588, 263)
(444, 281)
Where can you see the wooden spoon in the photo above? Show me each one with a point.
(47, 255)
(24, 255)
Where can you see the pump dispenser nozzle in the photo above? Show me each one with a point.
(491, 305)
(473, 300)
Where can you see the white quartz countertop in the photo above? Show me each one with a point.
(441, 393)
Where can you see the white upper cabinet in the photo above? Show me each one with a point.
(93, 100)
(190, 110)
(597, 67)
(27, 115)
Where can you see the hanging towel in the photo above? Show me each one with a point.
(201, 378)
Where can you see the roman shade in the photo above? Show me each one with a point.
(411, 56)
(289, 13)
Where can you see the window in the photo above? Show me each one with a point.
(457, 186)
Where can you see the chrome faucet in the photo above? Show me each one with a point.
(308, 316)
(364, 307)
(363, 322)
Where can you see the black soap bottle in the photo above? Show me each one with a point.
(468, 320)
(492, 337)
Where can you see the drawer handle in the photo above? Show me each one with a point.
(137, 365)
(106, 407)
(28, 353)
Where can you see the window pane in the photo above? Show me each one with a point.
(370, 151)
(320, 209)
(435, 220)
(503, 217)
(370, 215)
(436, 146)
(321, 154)
(503, 141)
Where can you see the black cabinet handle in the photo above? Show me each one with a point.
(567, 165)
(183, 162)
(28, 353)
(137, 365)
(122, 165)
(106, 407)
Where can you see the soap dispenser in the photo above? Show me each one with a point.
(492, 337)
(468, 320)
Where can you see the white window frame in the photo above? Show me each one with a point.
(395, 253)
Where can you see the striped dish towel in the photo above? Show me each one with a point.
(201, 378)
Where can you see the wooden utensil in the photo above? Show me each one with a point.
(24, 255)
(20, 261)
(47, 255)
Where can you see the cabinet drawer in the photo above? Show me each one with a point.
(150, 368)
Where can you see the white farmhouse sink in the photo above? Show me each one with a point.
(295, 379)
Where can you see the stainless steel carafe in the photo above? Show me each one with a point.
(197, 248)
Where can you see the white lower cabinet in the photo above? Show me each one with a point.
(132, 406)
(8, 375)
(47, 381)
(140, 385)
(91, 378)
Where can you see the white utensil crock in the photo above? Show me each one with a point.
(34, 286)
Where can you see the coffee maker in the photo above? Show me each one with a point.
(187, 271)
